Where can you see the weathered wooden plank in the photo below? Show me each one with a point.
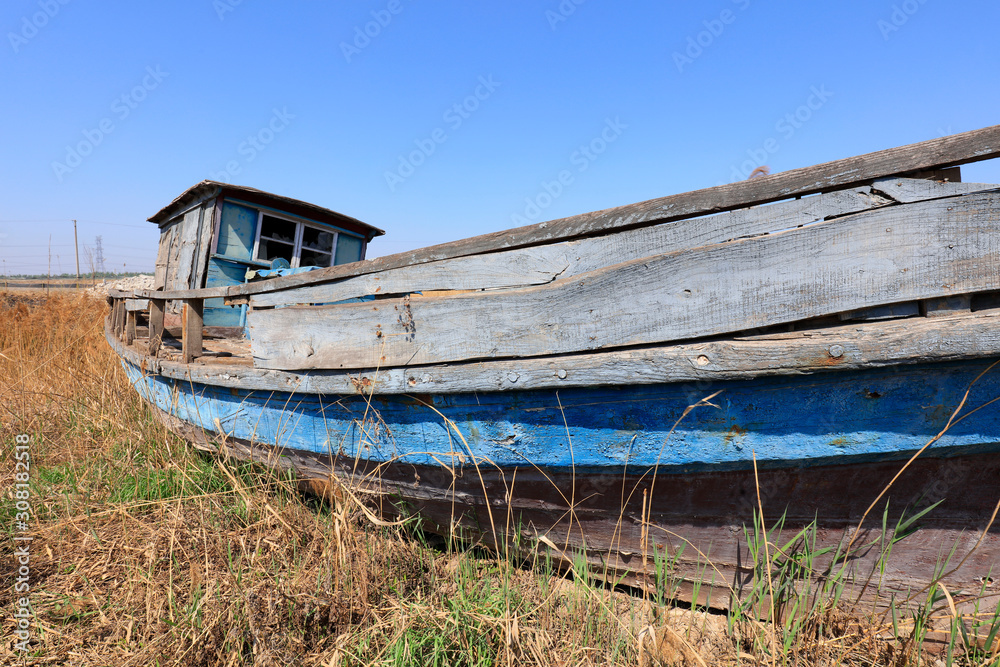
(129, 326)
(907, 190)
(859, 170)
(173, 253)
(117, 311)
(164, 255)
(193, 323)
(594, 252)
(156, 310)
(188, 239)
(182, 294)
(204, 244)
(528, 267)
(136, 304)
(846, 347)
(542, 264)
(921, 251)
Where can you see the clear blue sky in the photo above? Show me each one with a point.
(368, 125)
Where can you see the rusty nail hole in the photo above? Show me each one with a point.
(836, 351)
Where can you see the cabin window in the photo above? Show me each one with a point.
(277, 239)
(317, 247)
(301, 244)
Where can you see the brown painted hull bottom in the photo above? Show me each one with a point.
(697, 529)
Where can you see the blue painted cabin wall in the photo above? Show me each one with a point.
(237, 230)
(798, 421)
(224, 272)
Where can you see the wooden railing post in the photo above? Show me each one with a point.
(156, 308)
(129, 326)
(118, 317)
(194, 318)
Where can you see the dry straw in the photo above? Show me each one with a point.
(148, 552)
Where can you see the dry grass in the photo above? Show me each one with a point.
(148, 553)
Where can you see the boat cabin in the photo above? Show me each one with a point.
(215, 234)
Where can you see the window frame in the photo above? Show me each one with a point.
(300, 226)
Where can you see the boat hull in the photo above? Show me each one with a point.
(634, 482)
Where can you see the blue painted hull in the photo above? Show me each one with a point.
(573, 469)
(790, 421)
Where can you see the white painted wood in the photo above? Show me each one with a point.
(900, 253)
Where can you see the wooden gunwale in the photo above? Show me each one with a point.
(860, 170)
(917, 340)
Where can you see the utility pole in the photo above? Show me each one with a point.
(99, 256)
(77, 246)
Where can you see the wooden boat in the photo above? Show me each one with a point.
(640, 386)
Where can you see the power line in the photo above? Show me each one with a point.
(89, 222)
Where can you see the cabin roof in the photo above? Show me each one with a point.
(210, 189)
